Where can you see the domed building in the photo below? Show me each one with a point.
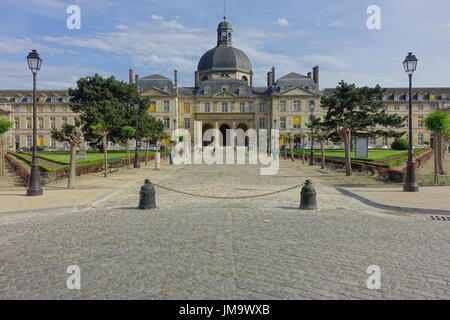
(224, 95)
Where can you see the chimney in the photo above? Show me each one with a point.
(316, 75)
(269, 79)
(131, 76)
(251, 79)
(175, 78)
(136, 78)
(197, 79)
(273, 75)
(309, 74)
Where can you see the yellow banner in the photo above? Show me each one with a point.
(432, 97)
(297, 121)
(166, 142)
(281, 142)
(152, 108)
(41, 99)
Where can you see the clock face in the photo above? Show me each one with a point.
(224, 34)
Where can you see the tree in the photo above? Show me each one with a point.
(106, 102)
(284, 145)
(322, 133)
(289, 136)
(5, 125)
(353, 111)
(301, 138)
(438, 122)
(73, 135)
(152, 130)
(128, 133)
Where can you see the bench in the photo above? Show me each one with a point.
(115, 166)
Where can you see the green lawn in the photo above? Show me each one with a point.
(374, 154)
(64, 157)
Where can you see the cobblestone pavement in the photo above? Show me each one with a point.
(196, 248)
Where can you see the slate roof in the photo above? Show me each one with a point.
(294, 80)
(224, 58)
(156, 81)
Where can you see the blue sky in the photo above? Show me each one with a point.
(157, 36)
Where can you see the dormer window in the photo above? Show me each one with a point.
(224, 75)
(396, 97)
(207, 90)
(283, 88)
(241, 90)
(224, 88)
(166, 88)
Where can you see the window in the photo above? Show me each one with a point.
(397, 108)
(53, 123)
(432, 108)
(241, 90)
(187, 107)
(53, 143)
(386, 108)
(28, 123)
(396, 97)
(166, 122)
(420, 121)
(372, 141)
(207, 90)
(29, 109)
(29, 141)
(242, 107)
(40, 141)
(262, 107)
(207, 107)
(187, 123)
(166, 88)
(283, 88)
(52, 109)
(17, 109)
(297, 122)
(282, 105)
(282, 123)
(41, 109)
(65, 144)
(262, 123)
(64, 121)
(385, 141)
(41, 123)
(17, 123)
(432, 97)
(297, 105)
(17, 138)
(224, 107)
(420, 108)
(152, 106)
(420, 139)
(224, 88)
(65, 109)
(166, 106)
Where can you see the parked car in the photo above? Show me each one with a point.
(152, 147)
(50, 149)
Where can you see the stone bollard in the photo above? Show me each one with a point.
(157, 160)
(147, 196)
(308, 197)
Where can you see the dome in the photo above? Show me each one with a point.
(224, 58)
(225, 25)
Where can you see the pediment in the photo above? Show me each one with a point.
(224, 94)
(296, 92)
(154, 92)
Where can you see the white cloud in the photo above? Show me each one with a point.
(283, 22)
(23, 46)
(172, 24)
(121, 27)
(156, 17)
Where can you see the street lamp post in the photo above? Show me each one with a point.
(34, 185)
(312, 161)
(410, 185)
(137, 162)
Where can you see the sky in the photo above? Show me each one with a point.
(158, 36)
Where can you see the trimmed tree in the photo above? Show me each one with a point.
(72, 135)
(438, 123)
(352, 111)
(5, 126)
(322, 133)
(128, 134)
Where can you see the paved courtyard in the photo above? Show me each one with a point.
(201, 248)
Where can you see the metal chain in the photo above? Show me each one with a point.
(228, 197)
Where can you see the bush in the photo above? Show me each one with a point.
(400, 144)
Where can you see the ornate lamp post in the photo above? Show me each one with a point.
(410, 185)
(312, 106)
(34, 185)
(137, 162)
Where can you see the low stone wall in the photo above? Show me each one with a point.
(393, 175)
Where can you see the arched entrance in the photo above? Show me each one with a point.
(208, 139)
(223, 129)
